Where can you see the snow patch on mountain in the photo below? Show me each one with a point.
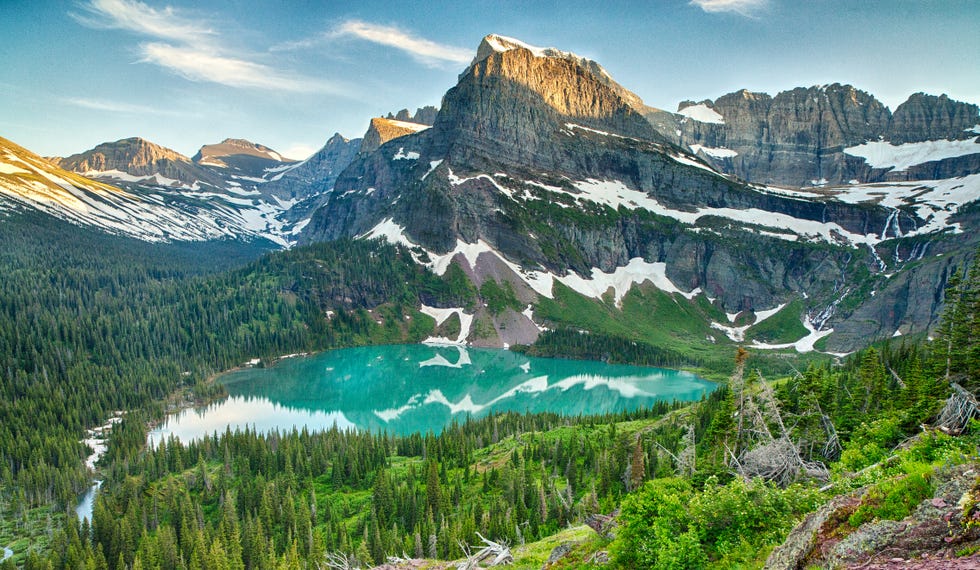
(934, 201)
(720, 153)
(417, 127)
(737, 334)
(154, 208)
(702, 113)
(7, 168)
(620, 280)
(805, 344)
(882, 154)
(402, 155)
(503, 44)
(615, 193)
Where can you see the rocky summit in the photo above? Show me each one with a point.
(542, 171)
(135, 159)
(242, 156)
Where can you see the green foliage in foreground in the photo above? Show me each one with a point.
(670, 524)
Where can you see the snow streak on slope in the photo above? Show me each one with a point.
(714, 152)
(882, 154)
(620, 280)
(934, 201)
(440, 316)
(614, 194)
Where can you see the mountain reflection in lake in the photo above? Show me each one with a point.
(417, 388)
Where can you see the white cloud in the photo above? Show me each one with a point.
(200, 65)
(142, 19)
(422, 50)
(743, 7)
(121, 107)
(191, 49)
(298, 151)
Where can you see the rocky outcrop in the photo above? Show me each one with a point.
(140, 158)
(423, 115)
(927, 117)
(930, 537)
(382, 130)
(798, 138)
(533, 151)
(241, 156)
(520, 116)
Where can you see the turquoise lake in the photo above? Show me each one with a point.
(417, 388)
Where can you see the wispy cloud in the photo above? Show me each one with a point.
(743, 7)
(198, 65)
(191, 49)
(137, 17)
(122, 107)
(422, 50)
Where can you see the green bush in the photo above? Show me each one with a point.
(894, 499)
(667, 524)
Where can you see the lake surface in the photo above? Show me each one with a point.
(416, 388)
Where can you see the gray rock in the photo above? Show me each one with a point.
(799, 136)
(559, 552)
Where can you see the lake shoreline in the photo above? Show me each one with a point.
(373, 386)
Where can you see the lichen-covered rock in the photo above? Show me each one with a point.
(557, 553)
(793, 553)
(930, 537)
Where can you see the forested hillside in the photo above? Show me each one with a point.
(99, 325)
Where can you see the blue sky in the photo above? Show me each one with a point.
(289, 74)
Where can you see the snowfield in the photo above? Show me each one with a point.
(702, 113)
(882, 154)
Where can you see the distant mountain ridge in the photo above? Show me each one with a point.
(831, 134)
(542, 180)
(136, 159)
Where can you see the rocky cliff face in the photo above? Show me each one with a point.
(382, 130)
(927, 118)
(540, 170)
(317, 174)
(139, 158)
(806, 137)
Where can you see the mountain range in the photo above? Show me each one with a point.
(814, 219)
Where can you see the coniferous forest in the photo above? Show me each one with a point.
(103, 325)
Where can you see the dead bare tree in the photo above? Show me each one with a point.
(687, 458)
(338, 561)
(493, 553)
(960, 408)
(770, 456)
